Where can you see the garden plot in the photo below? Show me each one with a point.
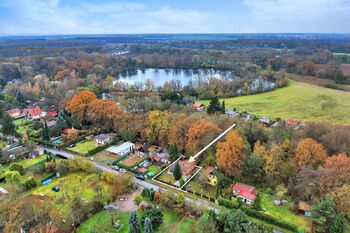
(134, 159)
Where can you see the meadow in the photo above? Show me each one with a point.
(298, 100)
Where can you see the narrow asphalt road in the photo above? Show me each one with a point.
(142, 183)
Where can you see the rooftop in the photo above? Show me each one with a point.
(122, 147)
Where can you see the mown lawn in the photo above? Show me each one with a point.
(303, 101)
(84, 147)
(209, 190)
(101, 222)
(284, 212)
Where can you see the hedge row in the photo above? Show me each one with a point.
(259, 215)
(99, 149)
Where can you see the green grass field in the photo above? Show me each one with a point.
(24, 162)
(284, 212)
(84, 147)
(303, 101)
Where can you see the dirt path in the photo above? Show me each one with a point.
(173, 227)
(127, 204)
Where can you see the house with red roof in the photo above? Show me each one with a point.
(34, 113)
(245, 192)
(15, 113)
(198, 106)
(294, 123)
(52, 113)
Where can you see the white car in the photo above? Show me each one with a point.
(115, 167)
(122, 170)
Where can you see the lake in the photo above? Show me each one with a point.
(159, 76)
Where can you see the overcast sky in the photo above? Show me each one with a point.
(173, 16)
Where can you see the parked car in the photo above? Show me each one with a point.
(140, 177)
(56, 188)
(122, 170)
(114, 167)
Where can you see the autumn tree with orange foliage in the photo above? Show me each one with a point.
(339, 167)
(309, 152)
(230, 155)
(104, 113)
(178, 133)
(78, 106)
(201, 133)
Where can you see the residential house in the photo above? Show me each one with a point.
(142, 170)
(160, 157)
(123, 149)
(36, 152)
(245, 192)
(103, 139)
(265, 120)
(198, 106)
(142, 148)
(52, 113)
(294, 123)
(246, 116)
(186, 167)
(231, 113)
(15, 113)
(211, 177)
(34, 112)
(304, 209)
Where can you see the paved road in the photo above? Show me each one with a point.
(142, 183)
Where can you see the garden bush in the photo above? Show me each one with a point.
(29, 183)
(17, 167)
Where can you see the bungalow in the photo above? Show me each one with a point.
(231, 113)
(123, 149)
(103, 139)
(265, 120)
(304, 209)
(211, 178)
(34, 113)
(186, 167)
(15, 113)
(198, 106)
(245, 192)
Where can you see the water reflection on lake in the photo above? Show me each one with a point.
(159, 76)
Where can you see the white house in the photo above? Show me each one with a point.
(103, 139)
(231, 113)
(122, 149)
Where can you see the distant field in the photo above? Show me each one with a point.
(299, 100)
